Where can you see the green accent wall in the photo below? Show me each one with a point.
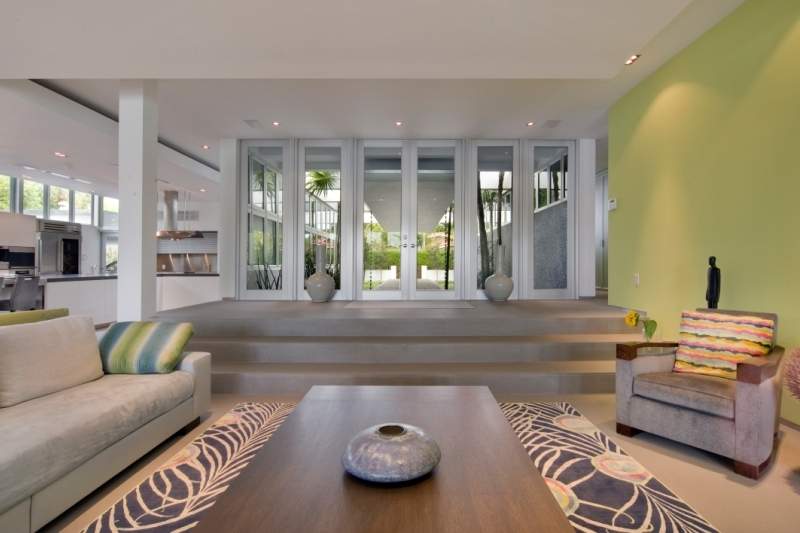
(704, 159)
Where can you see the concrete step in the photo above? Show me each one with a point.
(410, 326)
(412, 349)
(547, 377)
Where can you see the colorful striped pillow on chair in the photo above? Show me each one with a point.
(144, 347)
(713, 343)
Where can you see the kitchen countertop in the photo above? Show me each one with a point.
(54, 278)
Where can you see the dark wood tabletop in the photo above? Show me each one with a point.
(484, 482)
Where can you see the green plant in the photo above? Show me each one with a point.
(649, 326)
(319, 182)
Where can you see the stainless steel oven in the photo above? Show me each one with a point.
(17, 259)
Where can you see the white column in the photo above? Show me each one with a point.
(227, 249)
(585, 217)
(138, 167)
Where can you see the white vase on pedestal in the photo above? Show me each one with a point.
(320, 286)
(498, 286)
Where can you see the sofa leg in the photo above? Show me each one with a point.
(626, 431)
(185, 430)
(751, 471)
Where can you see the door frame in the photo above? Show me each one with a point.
(359, 293)
(408, 257)
(458, 269)
(470, 202)
(529, 291)
(287, 290)
(346, 193)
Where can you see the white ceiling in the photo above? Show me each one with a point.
(36, 123)
(543, 39)
(203, 111)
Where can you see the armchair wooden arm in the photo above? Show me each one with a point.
(756, 370)
(629, 350)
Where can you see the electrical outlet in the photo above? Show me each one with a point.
(636, 279)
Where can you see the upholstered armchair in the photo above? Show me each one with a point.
(737, 419)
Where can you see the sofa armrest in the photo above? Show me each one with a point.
(756, 370)
(757, 407)
(199, 365)
(639, 358)
(630, 350)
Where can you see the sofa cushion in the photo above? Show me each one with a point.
(36, 315)
(45, 438)
(44, 357)
(706, 394)
(144, 347)
(713, 343)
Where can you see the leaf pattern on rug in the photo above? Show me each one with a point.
(599, 487)
(188, 483)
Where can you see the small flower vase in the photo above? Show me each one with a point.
(320, 286)
(498, 286)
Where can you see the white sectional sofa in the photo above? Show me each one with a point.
(59, 446)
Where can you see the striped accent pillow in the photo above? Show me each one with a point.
(144, 347)
(713, 343)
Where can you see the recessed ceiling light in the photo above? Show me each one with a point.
(26, 167)
(531, 124)
(398, 123)
(60, 154)
(633, 59)
(205, 147)
(275, 123)
(79, 180)
(60, 175)
(202, 190)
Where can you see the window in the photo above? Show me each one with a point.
(495, 183)
(551, 219)
(323, 210)
(5, 193)
(551, 176)
(265, 223)
(110, 213)
(83, 207)
(110, 252)
(33, 198)
(58, 203)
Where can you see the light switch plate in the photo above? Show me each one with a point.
(612, 204)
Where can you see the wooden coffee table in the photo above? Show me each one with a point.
(484, 482)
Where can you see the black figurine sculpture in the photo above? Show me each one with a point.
(714, 280)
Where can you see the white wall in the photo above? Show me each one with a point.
(585, 273)
(17, 230)
(227, 249)
(90, 249)
(98, 298)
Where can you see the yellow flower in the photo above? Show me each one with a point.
(632, 318)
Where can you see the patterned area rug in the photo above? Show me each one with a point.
(599, 487)
(172, 497)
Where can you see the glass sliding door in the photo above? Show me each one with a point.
(326, 219)
(265, 168)
(550, 219)
(492, 197)
(409, 227)
(436, 220)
